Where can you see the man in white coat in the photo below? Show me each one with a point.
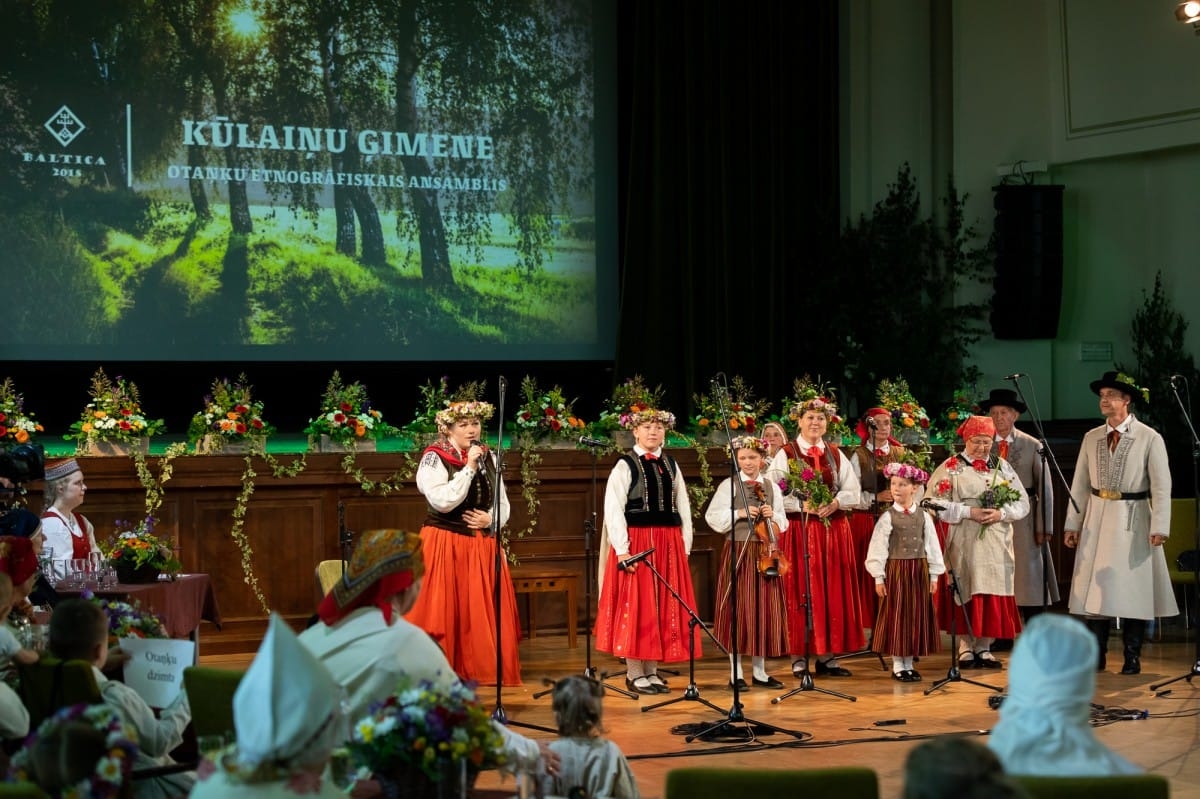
(1123, 488)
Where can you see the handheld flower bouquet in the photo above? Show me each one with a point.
(744, 412)
(805, 483)
(945, 427)
(135, 550)
(806, 390)
(230, 414)
(346, 414)
(114, 414)
(997, 495)
(440, 731)
(546, 414)
(16, 426)
(909, 420)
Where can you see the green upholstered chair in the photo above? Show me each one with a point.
(210, 694)
(51, 684)
(1182, 539)
(21, 790)
(1125, 786)
(721, 783)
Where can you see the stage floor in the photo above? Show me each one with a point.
(842, 732)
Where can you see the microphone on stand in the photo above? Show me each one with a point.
(1015, 375)
(871, 421)
(593, 442)
(1176, 380)
(929, 504)
(638, 558)
(477, 443)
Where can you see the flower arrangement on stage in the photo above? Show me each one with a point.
(135, 546)
(945, 427)
(743, 411)
(346, 414)
(230, 414)
(807, 391)
(629, 401)
(805, 483)
(114, 414)
(427, 727)
(16, 426)
(129, 620)
(435, 399)
(546, 414)
(909, 420)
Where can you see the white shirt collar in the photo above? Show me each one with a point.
(910, 509)
(639, 450)
(805, 446)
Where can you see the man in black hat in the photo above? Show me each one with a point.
(1031, 533)
(1123, 487)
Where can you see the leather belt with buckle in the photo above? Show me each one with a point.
(1108, 493)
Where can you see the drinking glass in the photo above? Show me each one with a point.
(79, 568)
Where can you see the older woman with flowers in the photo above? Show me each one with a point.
(69, 535)
(981, 496)
(646, 507)
(818, 534)
(459, 479)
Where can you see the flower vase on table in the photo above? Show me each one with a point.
(116, 449)
(137, 554)
(325, 443)
(129, 574)
(453, 781)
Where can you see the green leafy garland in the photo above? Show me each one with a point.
(393, 482)
(154, 485)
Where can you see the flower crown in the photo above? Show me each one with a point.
(818, 404)
(907, 471)
(747, 442)
(111, 770)
(643, 415)
(472, 409)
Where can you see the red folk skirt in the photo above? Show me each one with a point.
(833, 576)
(761, 604)
(907, 623)
(456, 605)
(991, 616)
(862, 526)
(637, 616)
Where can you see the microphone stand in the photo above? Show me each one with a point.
(1047, 456)
(589, 568)
(1183, 409)
(498, 713)
(345, 537)
(955, 674)
(876, 511)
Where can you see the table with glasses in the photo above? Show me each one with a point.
(182, 603)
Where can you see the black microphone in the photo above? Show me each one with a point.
(1015, 375)
(929, 504)
(1176, 379)
(871, 421)
(593, 442)
(477, 443)
(638, 558)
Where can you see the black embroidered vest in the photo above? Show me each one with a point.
(651, 493)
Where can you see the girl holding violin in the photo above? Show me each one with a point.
(755, 518)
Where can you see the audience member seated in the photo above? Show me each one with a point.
(82, 752)
(288, 718)
(21, 523)
(1044, 724)
(956, 767)
(79, 631)
(588, 761)
(69, 535)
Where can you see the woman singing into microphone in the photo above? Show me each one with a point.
(458, 476)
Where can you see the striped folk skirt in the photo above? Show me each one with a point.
(907, 622)
(761, 605)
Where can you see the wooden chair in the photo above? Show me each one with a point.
(328, 573)
(1124, 786)
(51, 684)
(210, 693)
(847, 782)
(1181, 540)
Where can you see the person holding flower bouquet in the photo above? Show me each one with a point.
(459, 480)
(646, 506)
(69, 535)
(762, 628)
(982, 496)
(817, 525)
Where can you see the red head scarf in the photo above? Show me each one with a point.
(17, 559)
(385, 563)
(977, 426)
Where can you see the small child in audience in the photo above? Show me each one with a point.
(79, 631)
(589, 762)
(956, 767)
(11, 650)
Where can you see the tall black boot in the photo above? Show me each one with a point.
(1132, 634)
(1099, 628)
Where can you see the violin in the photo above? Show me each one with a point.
(771, 563)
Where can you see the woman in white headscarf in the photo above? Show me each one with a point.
(1043, 727)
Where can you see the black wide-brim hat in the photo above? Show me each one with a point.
(1003, 396)
(1110, 380)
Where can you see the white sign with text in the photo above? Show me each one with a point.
(155, 667)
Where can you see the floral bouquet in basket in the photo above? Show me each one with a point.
(805, 483)
(16, 426)
(909, 420)
(945, 427)
(230, 414)
(135, 546)
(546, 414)
(430, 728)
(346, 414)
(805, 391)
(114, 414)
(435, 398)
(629, 402)
(744, 412)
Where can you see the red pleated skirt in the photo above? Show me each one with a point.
(637, 616)
(992, 616)
(761, 605)
(456, 605)
(862, 525)
(834, 579)
(907, 622)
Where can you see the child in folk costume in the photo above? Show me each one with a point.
(905, 559)
(762, 607)
(646, 507)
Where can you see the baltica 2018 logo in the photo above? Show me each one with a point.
(64, 126)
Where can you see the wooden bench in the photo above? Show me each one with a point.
(532, 579)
